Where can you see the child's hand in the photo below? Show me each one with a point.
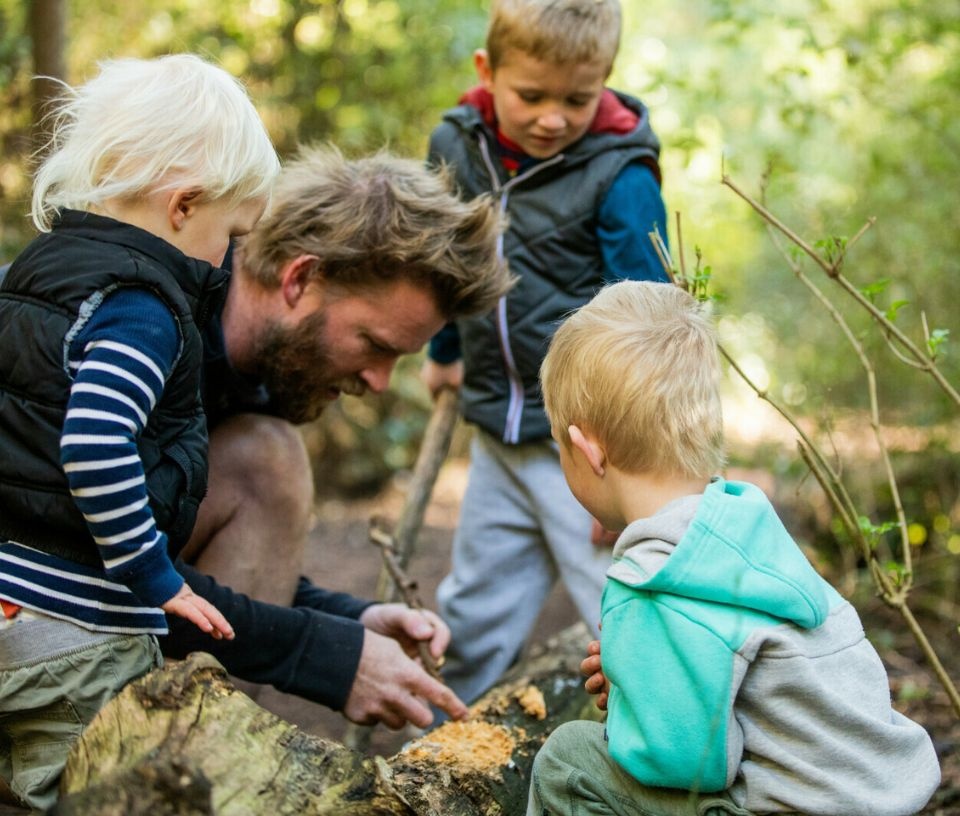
(600, 536)
(195, 609)
(596, 682)
(436, 376)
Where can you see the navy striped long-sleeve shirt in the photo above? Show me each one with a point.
(119, 362)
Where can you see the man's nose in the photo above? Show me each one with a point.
(377, 377)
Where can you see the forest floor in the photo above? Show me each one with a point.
(341, 557)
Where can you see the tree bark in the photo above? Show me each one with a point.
(183, 741)
(48, 34)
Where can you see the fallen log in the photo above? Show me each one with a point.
(183, 740)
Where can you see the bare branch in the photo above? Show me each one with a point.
(833, 271)
(406, 586)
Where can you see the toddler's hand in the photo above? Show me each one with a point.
(195, 609)
(596, 682)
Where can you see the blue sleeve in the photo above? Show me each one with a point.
(120, 361)
(445, 345)
(631, 209)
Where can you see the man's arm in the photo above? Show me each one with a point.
(298, 650)
(323, 657)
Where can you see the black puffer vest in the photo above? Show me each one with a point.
(46, 297)
(550, 244)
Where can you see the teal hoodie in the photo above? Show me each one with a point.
(734, 665)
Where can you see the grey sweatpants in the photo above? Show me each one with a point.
(520, 529)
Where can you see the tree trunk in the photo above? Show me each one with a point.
(182, 740)
(48, 27)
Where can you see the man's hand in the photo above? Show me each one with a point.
(390, 686)
(408, 627)
(596, 682)
(436, 375)
(195, 609)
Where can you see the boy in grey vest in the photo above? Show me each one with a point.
(574, 166)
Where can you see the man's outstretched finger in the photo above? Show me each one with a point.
(443, 698)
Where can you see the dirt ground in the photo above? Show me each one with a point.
(342, 558)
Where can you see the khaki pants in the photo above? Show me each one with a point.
(45, 705)
(574, 775)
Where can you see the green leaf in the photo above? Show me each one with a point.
(936, 342)
(871, 290)
(832, 247)
(894, 308)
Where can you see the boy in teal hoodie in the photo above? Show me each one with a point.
(738, 680)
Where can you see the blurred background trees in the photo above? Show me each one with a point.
(831, 111)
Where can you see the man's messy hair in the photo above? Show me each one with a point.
(373, 220)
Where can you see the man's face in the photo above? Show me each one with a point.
(348, 344)
(542, 107)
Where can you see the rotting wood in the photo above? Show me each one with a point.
(182, 740)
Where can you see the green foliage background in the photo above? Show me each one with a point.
(841, 110)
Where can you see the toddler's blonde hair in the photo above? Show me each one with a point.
(151, 125)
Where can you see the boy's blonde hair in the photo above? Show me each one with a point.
(561, 32)
(377, 219)
(147, 126)
(638, 368)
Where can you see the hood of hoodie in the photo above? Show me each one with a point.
(618, 116)
(727, 546)
(612, 116)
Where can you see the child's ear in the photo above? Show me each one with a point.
(481, 61)
(181, 204)
(589, 447)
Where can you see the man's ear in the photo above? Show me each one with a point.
(295, 275)
(589, 447)
(181, 204)
(481, 61)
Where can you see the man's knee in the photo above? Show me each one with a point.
(266, 457)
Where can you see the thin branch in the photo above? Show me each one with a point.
(683, 262)
(931, 655)
(875, 424)
(406, 586)
(833, 271)
(846, 513)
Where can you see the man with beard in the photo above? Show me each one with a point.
(356, 263)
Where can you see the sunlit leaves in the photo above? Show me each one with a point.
(936, 341)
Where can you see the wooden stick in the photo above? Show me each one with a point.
(433, 452)
(406, 586)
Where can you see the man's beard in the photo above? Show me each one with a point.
(295, 364)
